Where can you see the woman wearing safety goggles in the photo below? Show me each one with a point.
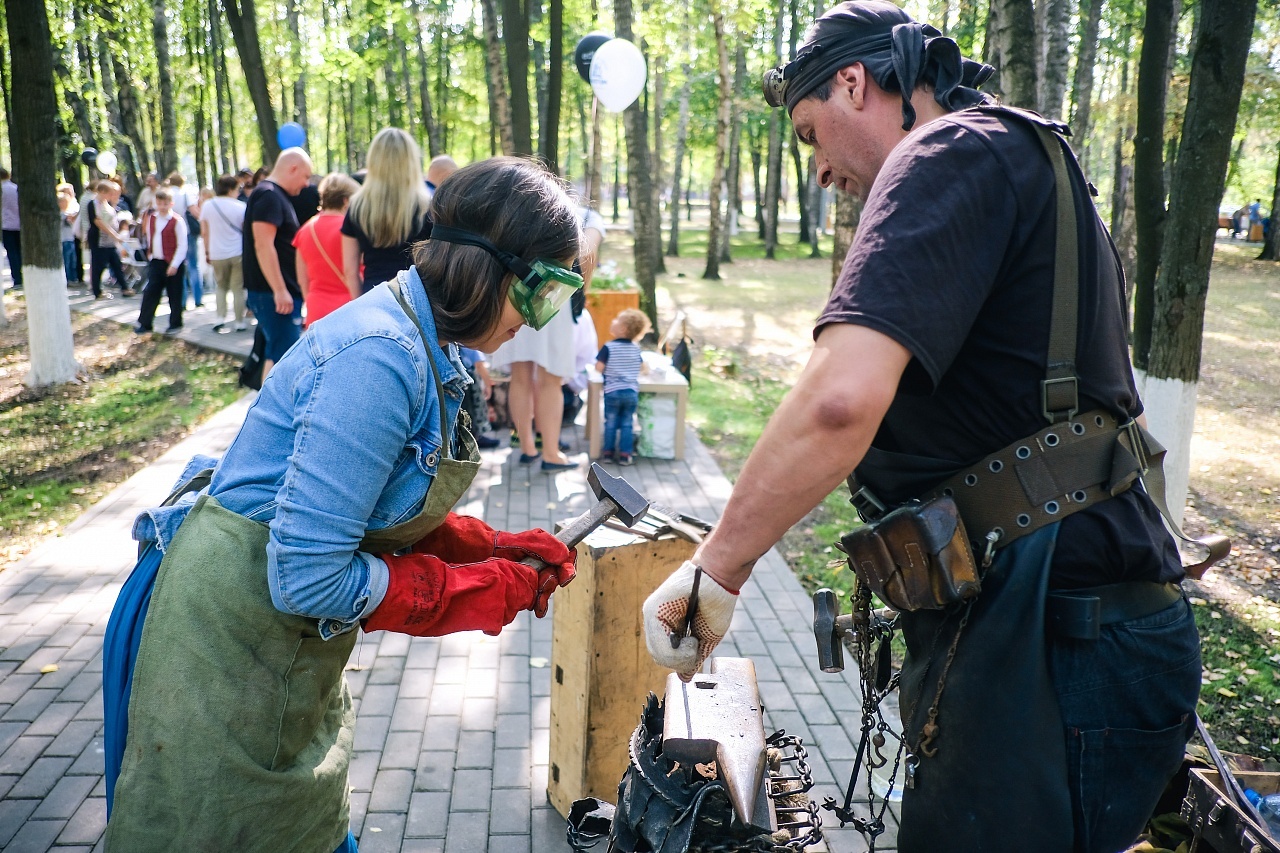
(229, 715)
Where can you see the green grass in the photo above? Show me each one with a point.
(61, 449)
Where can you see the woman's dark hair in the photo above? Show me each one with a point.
(515, 204)
(226, 184)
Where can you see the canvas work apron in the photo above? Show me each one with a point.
(240, 720)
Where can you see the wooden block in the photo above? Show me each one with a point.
(601, 671)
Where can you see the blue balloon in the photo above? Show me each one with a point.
(291, 135)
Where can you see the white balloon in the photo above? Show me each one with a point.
(107, 163)
(617, 74)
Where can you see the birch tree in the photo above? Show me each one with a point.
(34, 141)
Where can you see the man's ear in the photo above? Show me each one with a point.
(852, 81)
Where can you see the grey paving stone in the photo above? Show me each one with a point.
(13, 814)
(471, 790)
(513, 697)
(468, 833)
(35, 836)
(441, 731)
(15, 686)
(356, 681)
(434, 771)
(428, 814)
(371, 732)
(401, 750)
(446, 699)
(509, 811)
(479, 713)
(90, 760)
(9, 732)
(53, 718)
(87, 824)
(382, 833)
(509, 843)
(833, 742)
(387, 670)
(547, 830)
(82, 687)
(815, 708)
(65, 674)
(379, 700)
(410, 715)
(65, 798)
(73, 738)
(7, 782)
(40, 778)
(416, 683)
(92, 708)
(391, 790)
(359, 804)
(363, 770)
(475, 750)
(19, 757)
(512, 730)
(512, 768)
(451, 670)
(422, 845)
(423, 653)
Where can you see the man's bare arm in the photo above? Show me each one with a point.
(816, 437)
(264, 248)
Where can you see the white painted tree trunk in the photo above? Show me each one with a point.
(1171, 416)
(53, 355)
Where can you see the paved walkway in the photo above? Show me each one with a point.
(452, 733)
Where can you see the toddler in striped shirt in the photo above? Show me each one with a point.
(620, 363)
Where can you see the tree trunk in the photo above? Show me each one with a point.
(71, 92)
(515, 37)
(659, 104)
(1011, 29)
(1082, 85)
(677, 162)
(1213, 102)
(722, 142)
(167, 157)
(128, 98)
(1271, 248)
(773, 175)
(220, 91)
(549, 121)
(848, 212)
(1052, 74)
(595, 193)
(113, 134)
(299, 67)
(816, 210)
(648, 230)
(1148, 166)
(434, 148)
(758, 197)
(34, 143)
(802, 197)
(499, 107)
(733, 172)
(242, 17)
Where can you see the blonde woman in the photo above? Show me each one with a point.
(387, 215)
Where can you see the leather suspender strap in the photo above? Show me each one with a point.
(1060, 392)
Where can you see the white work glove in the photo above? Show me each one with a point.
(664, 611)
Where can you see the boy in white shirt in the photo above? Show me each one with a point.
(165, 234)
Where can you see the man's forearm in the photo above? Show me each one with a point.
(816, 437)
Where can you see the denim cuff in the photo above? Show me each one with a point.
(378, 579)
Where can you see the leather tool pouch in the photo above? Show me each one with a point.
(915, 558)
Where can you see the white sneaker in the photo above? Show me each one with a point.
(240, 327)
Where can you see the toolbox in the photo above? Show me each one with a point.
(1217, 821)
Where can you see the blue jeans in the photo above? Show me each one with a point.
(281, 330)
(69, 260)
(1128, 703)
(619, 409)
(193, 285)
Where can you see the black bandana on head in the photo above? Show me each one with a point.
(897, 52)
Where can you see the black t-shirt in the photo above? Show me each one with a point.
(269, 203)
(382, 263)
(954, 259)
(306, 203)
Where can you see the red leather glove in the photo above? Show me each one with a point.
(427, 597)
(463, 539)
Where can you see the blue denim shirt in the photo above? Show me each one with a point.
(344, 437)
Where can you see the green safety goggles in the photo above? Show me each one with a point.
(541, 287)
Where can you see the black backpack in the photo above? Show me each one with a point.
(251, 370)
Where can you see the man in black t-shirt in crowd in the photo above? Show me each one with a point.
(270, 274)
(928, 358)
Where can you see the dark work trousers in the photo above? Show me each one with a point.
(13, 248)
(102, 258)
(158, 282)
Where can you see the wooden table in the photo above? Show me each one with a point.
(668, 382)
